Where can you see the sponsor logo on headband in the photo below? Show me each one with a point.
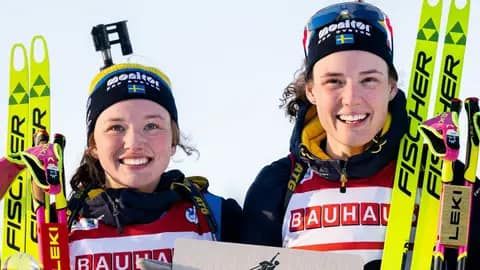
(133, 77)
(346, 26)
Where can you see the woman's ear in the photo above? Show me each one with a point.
(92, 151)
(309, 92)
(91, 147)
(393, 90)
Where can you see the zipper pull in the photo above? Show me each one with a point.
(343, 183)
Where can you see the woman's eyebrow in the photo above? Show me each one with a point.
(150, 116)
(332, 74)
(370, 71)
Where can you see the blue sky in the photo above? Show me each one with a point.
(228, 61)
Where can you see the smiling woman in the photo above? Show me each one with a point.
(332, 193)
(125, 205)
(351, 91)
(136, 140)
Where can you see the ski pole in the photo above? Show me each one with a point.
(442, 138)
(45, 162)
(41, 202)
(57, 230)
(471, 161)
(60, 197)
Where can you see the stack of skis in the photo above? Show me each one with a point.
(427, 170)
(30, 233)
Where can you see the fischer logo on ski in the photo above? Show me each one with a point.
(14, 213)
(407, 173)
(39, 113)
(411, 150)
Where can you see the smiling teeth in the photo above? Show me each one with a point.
(352, 117)
(135, 161)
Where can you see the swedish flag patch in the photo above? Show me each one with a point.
(344, 39)
(136, 88)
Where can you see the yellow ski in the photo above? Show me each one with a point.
(14, 201)
(407, 173)
(39, 118)
(448, 87)
(28, 110)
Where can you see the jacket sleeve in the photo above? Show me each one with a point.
(263, 208)
(231, 221)
(473, 255)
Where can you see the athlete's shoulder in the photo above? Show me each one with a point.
(271, 180)
(263, 207)
(231, 220)
(273, 175)
(227, 213)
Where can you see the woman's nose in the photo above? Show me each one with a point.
(134, 139)
(350, 94)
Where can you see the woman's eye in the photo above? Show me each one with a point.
(151, 126)
(116, 128)
(333, 82)
(370, 81)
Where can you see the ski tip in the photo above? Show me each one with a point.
(460, 4)
(433, 3)
(39, 37)
(39, 49)
(18, 51)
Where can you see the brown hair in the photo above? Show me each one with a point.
(91, 174)
(294, 94)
